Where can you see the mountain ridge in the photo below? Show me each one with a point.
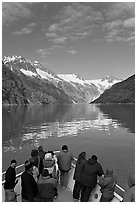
(71, 87)
(122, 92)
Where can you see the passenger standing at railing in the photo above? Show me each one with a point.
(77, 175)
(10, 182)
(65, 157)
(129, 194)
(28, 184)
(107, 184)
(91, 169)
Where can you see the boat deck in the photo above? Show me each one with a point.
(64, 195)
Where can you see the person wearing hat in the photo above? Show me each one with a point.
(91, 169)
(28, 184)
(46, 187)
(10, 182)
(107, 184)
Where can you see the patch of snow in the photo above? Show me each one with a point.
(105, 84)
(46, 75)
(71, 78)
(28, 73)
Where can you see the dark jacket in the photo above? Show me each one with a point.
(46, 187)
(78, 170)
(38, 162)
(10, 178)
(29, 186)
(91, 169)
(48, 163)
(41, 154)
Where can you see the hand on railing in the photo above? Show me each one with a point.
(16, 181)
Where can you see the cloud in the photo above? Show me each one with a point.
(12, 12)
(43, 52)
(120, 10)
(120, 22)
(114, 20)
(47, 51)
(26, 30)
(74, 21)
(129, 23)
(72, 51)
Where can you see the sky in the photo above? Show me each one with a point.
(91, 39)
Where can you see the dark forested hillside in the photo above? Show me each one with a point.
(20, 89)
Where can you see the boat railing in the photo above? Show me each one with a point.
(118, 192)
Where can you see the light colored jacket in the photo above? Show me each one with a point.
(64, 160)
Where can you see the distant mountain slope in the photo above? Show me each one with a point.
(40, 85)
(122, 92)
(20, 89)
(104, 83)
(79, 86)
(26, 82)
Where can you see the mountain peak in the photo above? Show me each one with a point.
(109, 78)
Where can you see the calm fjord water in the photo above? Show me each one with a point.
(105, 130)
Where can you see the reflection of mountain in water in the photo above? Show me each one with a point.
(124, 114)
(17, 120)
(25, 125)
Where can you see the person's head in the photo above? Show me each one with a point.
(109, 170)
(94, 157)
(28, 165)
(34, 153)
(13, 163)
(40, 148)
(64, 148)
(81, 156)
(45, 173)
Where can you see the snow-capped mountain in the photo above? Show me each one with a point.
(122, 92)
(29, 68)
(101, 84)
(104, 83)
(42, 85)
(26, 82)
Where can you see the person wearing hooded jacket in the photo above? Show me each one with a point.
(129, 194)
(46, 187)
(107, 184)
(91, 169)
(77, 175)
